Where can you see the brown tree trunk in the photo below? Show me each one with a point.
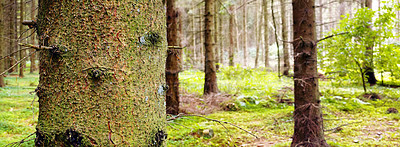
(308, 122)
(216, 32)
(104, 82)
(194, 39)
(231, 36)
(2, 53)
(32, 58)
(342, 9)
(202, 51)
(210, 84)
(286, 64)
(244, 33)
(10, 19)
(21, 29)
(257, 34)
(369, 66)
(221, 46)
(266, 33)
(172, 66)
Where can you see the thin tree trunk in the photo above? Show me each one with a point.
(32, 58)
(308, 127)
(210, 84)
(172, 66)
(194, 40)
(257, 35)
(202, 51)
(21, 29)
(266, 33)
(286, 64)
(104, 83)
(221, 46)
(2, 49)
(244, 33)
(369, 67)
(216, 32)
(231, 36)
(342, 9)
(10, 18)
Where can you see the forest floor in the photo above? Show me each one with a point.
(252, 99)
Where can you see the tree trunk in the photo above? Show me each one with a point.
(369, 67)
(172, 67)
(202, 51)
(231, 36)
(10, 18)
(221, 46)
(210, 84)
(286, 64)
(216, 24)
(342, 9)
(32, 58)
(257, 35)
(2, 53)
(21, 29)
(194, 40)
(266, 33)
(244, 33)
(308, 127)
(103, 84)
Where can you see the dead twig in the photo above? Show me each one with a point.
(330, 36)
(335, 128)
(18, 143)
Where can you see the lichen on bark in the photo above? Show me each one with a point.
(104, 86)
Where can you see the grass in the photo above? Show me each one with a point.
(363, 122)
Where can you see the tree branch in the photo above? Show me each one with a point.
(37, 47)
(17, 63)
(330, 36)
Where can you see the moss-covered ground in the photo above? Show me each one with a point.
(350, 118)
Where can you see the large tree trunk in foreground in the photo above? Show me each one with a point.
(2, 53)
(369, 66)
(210, 84)
(103, 84)
(172, 64)
(286, 64)
(308, 127)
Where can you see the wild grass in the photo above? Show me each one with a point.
(351, 119)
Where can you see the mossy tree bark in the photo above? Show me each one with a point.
(286, 64)
(2, 53)
(308, 127)
(173, 59)
(266, 33)
(210, 84)
(103, 83)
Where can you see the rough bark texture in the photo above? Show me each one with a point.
(286, 64)
(104, 83)
(244, 33)
(308, 127)
(266, 33)
(2, 53)
(231, 36)
(369, 68)
(22, 53)
(173, 59)
(33, 67)
(210, 84)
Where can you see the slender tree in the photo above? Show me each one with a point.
(308, 122)
(369, 66)
(21, 29)
(257, 34)
(244, 33)
(266, 33)
(32, 58)
(172, 67)
(231, 35)
(2, 53)
(210, 84)
(216, 32)
(102, 81)
(10, 37)
(286, 64)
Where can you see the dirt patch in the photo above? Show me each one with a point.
(195, 104)
(372, 96)
(392, 110)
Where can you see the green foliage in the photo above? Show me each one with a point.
(345, 56)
